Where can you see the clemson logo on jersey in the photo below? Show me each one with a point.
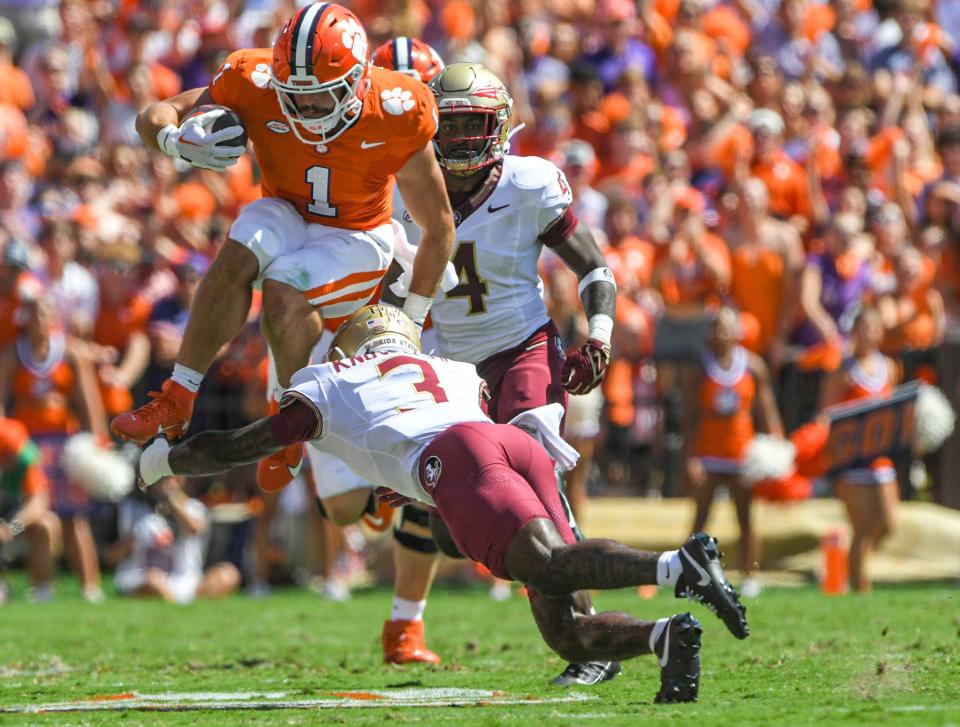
(354, 38)
(726, 402)
(397, 101)
(431, 471)
(261, 75)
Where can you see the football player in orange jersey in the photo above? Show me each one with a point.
(409, 55)
(344, 497)
(330, 133)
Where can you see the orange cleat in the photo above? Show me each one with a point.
(168, 413)
(381, 520)
(404, 643)
(278, 470)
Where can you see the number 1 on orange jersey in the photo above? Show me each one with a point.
(319, 180)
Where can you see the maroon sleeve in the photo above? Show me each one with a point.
(298, 420)
(560, 229)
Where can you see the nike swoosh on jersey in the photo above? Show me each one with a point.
(371, 144)
(491, 209)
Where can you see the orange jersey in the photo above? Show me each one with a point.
(26, 287)
(726, 408)
(42, 389)
(347, 183)
(863, 384)
(631, 263)
(687, 281)
(757, 287)
(19, 458)
(117, 322)
(787, 184)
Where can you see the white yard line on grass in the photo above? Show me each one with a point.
(347, 699)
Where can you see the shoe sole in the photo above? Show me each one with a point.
(686, 636)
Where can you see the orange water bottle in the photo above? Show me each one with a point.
(834, 551)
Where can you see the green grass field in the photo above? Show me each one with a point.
(892, 657)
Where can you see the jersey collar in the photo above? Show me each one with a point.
(475, 201)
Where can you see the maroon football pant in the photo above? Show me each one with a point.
(493, 480)
(525, 377)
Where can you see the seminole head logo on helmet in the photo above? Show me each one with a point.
(410, 56)
(374, 327)
(475, 111)
(320, 71)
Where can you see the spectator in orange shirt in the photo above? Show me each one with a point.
(17, 286)
(120, 327)
(629, 159)
(785, 179)
(25, 508)
(766, 260)
(695, 269)
(912, 313)
(15, 87)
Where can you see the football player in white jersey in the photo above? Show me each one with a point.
(507, 209)
(416, 422)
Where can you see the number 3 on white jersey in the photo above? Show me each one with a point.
(319, 180)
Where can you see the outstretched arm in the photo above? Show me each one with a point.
(208, 453)
(212, 452)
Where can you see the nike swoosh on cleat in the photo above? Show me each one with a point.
(704, 576)
(371, 144)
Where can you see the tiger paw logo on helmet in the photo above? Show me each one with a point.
(397, 101)
(354, 38)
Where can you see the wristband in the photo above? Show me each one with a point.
(16, 526)
(417, 306)
(600, 328)
(163, 136)
(602, 275)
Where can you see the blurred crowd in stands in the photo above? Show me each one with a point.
(793, 159)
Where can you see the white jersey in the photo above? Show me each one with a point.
(378, 412)
(498, 302)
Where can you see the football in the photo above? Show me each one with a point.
(230, 118)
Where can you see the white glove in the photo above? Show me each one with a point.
(153, 462)
(199, 147)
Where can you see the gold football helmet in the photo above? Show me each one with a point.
(470, 88)
(374, 326)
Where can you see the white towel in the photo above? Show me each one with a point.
(543, 423)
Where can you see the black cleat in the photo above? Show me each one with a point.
(587, 674)
(703, 581)
(678, 649)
